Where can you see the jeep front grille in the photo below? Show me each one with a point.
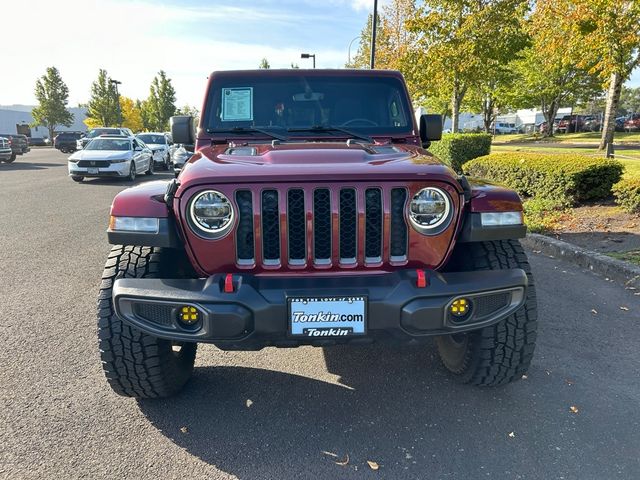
(322, 226)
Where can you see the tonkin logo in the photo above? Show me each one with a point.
(327, 332)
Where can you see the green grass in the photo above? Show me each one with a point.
(629, 158)
(583, 137)
(632, 256)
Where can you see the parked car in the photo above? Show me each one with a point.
(571, 124)
(37, 142)
(96, 132)
(111, 156)
(504, 128)
(297, 222)
(66, 142)
(159, 145)
(632, 123)
(19, 143)
(181, 155)
(6, 154)
(592, 123)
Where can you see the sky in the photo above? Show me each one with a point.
(135, 39)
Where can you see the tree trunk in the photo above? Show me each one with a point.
(487, 113)
(613, 98)
(52, 132)
(549, 111)
(456, 100)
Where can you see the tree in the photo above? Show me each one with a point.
(264, 64)
(629, 101)
(145, 115)
(553, 71)
(460, 42)
(53, 96)
(102, 109)
(131, 114)
(188, 110)
(611, 29)
(161, 104)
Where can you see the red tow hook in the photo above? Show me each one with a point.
(421, 282)
(228, 283)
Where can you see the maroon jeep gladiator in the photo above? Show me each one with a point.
(311, 213)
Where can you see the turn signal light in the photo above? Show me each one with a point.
(189, 315)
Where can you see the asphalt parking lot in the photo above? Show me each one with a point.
(303, 413)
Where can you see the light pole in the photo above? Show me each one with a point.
(373, 34)
(116, 83)
(309, 55)
(351, 43)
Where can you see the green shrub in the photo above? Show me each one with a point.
(542, 215)
(627, 193)
(568, 178)
(457, 148)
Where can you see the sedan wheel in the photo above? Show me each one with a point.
(151, 167)
(132, 172)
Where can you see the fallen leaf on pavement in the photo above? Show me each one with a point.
(331, 454)
(512, 434)
(184, 429)
(524, 377)
(569, 382)
(573, 409)
(594, 311)
(249, 402)
(343, 462)
(626, 309)
(373, 465)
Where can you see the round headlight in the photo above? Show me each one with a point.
(212, 212)
(430, 208)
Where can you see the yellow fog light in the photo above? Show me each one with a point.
(189, 315)
(460, 307)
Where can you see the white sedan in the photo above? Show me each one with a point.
(111, 156)
(159, 145)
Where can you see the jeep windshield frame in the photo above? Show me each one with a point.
(305, 104)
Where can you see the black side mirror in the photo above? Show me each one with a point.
(182, 129)
(430, 129)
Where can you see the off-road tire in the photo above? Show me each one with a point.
(12, 159)
(500, 353)
(77, 178)
(137, 364)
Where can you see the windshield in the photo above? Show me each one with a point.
(96, 132)
(154, 139)
(367, 105)
(109, 144)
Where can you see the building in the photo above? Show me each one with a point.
(13, 115)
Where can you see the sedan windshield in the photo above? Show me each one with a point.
(109, 144)
(153, 139)
(308, 105)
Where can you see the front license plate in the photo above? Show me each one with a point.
(93, 170)
(327, 316)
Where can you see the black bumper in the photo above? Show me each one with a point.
(255, 315)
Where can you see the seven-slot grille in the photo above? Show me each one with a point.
(322, 227)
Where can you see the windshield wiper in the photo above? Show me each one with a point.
(331, 128)
(247, 130)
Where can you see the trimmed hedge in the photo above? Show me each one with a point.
(457, 148)
(627, 193)
(569, 178)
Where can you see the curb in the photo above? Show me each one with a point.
(622, 272)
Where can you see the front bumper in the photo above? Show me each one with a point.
(6, 154)
(255, 315)
(113, 170)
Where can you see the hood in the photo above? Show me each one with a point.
(156, 146)
(101, 155)
(312, 161)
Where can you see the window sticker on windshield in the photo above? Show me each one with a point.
(237, 104)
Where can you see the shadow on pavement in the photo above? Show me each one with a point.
(111, 181)
(18, 165)
(396, 407)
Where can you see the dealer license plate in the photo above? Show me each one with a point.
(327, 316)
(93, 170)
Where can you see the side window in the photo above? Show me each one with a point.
(136, 144)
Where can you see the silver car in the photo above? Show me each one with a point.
(180, 156)
(6, 155)
(159, 145)
(111, 156)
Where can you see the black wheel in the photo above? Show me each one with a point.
(12, 159)
(64, 150)
(132, 172)
(150, 170)
(137, 364)
(77, 178)
(167, 162)
(501, 353)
